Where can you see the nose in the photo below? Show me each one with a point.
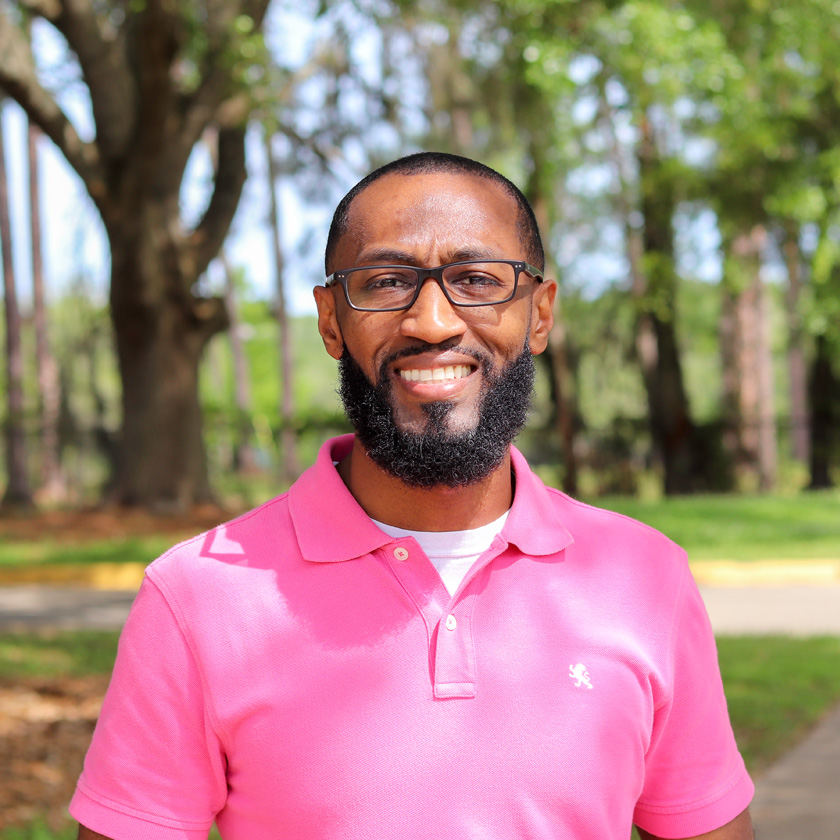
(432, 318)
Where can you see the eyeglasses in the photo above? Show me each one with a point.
(390, 288)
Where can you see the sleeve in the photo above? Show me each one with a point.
(155, 769)
(695, 779)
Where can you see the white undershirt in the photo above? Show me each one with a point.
(452, 552)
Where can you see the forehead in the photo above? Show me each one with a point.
(431, 218)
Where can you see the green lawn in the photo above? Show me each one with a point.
(126, 550)
(65, 654)
(776, 687)
(800, 527)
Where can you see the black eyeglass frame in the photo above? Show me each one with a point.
(424, 274)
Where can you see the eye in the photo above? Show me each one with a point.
(384, 279)
(389, 281)
(472, 278)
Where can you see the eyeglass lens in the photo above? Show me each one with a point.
(387, 287)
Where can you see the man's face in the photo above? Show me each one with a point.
(429, 220)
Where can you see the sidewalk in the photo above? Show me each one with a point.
(798, 798)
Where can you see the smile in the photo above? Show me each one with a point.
(440, 374)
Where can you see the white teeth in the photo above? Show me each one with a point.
(436, 374)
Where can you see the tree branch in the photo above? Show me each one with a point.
(105, 68)
(208, 236)
(19, 78)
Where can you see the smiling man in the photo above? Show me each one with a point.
(420, 639)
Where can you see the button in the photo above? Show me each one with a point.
(451, 623)
(401, 553)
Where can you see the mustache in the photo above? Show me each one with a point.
(482, 359)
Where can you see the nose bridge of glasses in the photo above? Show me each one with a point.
(436, 276)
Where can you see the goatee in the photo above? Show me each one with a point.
(438, 456)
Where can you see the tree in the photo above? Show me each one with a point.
(778, 167)
(18, 493)
(290, 468)
(158, 73)
(49, 391)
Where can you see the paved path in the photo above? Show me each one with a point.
(764, 610)
(797, 799)
(749, 610)
(33, 607)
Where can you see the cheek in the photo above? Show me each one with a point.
(366, 341)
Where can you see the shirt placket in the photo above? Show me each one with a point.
(449, 621)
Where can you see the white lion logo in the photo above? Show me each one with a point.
(578, 672)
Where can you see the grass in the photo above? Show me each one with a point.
(64, 654)
(776, 687)
(124, 550)
(800, 527)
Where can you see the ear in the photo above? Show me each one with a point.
(328, 326)
(542, 315)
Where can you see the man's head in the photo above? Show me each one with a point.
(436, 391)
(424, 163)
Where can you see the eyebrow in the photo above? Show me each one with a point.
(389, 256)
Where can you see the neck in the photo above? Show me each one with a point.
(389, 500)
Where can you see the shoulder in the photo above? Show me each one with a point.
(248, 542)
(623, 554)
(589, 522)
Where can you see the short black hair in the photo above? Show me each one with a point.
(423, 163)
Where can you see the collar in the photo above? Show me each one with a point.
(330, 526)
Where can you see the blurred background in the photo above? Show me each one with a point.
(682, 157)
(168, 170)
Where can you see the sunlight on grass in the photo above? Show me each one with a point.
(800, 527)
(127, 550)
(806, 526)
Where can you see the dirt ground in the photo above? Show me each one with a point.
(107, 523)
(46, 724)
(45, 729)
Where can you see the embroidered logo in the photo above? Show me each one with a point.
(578, 672)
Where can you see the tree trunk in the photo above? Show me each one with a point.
(754, 396)
(290, 469)
(797, 366)
(672, 430)
(18, 492)
(244, 456)
(162, 462)
(825, 396)
(52, 480)
(563, 381)
(731, 378)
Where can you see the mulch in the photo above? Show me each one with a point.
(45, 730)
(46, 723)
(92, 524)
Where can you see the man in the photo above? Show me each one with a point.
(420, 639)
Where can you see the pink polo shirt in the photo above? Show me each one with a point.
(297, 673)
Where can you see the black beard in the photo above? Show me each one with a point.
(437, 457)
